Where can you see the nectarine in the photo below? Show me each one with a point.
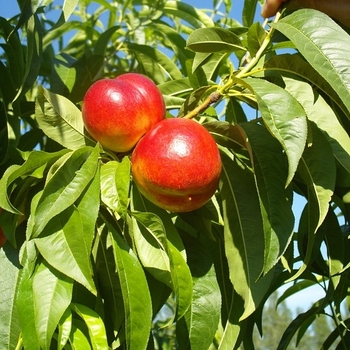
(177, 165)
(118, 112)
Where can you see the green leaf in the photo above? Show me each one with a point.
(321, 113)
(35, 166)
(188, 13)
(201, 320)
(285, 119)
(327, 50)
(9, 279)
(66, 247)
(244, 237)
(52, 293)
(14, 52)
(270, 172)
(61, 120)
(149, 237)
(26, 309)
(95, 325)
(209, 40)
(180, 272)
(135, 291)
(248, 13)
(33, 55)
(108, 281)
(79, 338)
(64, 329)
(256, 36)
(64, 188)
(317, 169)
(122, 180)
(155, 63)
(295, 64)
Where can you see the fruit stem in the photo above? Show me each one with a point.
(212, 98)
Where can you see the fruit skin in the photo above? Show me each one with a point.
(177, 165)
(118, 112)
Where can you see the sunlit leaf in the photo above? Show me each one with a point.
(284, 117)
(327, 49)
(186, 12)
(34, 166)
(244, 237)
(9, 281)
(94, 324)
(64, 188)
(200, 322)
(64, 246)
(151, 243)
(52, 293)
(211, 40)
(270, 172)
(61, 120)
(137, 300)
(321, 113)
(248, 14)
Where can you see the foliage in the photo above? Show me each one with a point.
(89, 262)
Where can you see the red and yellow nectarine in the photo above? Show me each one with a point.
(118, 112)
(177, 165)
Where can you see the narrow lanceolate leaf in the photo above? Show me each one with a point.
(135, 291)
(284, 117)
(180, 273)
(200, 322)
(151, 243)
(327, 50)
(52, 293)
(60, 120)
(248, 13)
(65, 247)
(211, 40)
(270, 172)
(319, 111)
(154, 62)
(95, 325)
(35, 166)
(26, 309)
(64, 187)
(188, 13)
(244, 234)
(318, 171)
(9, 279)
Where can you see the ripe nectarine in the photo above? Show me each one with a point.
(118, 112)
(177, 165)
